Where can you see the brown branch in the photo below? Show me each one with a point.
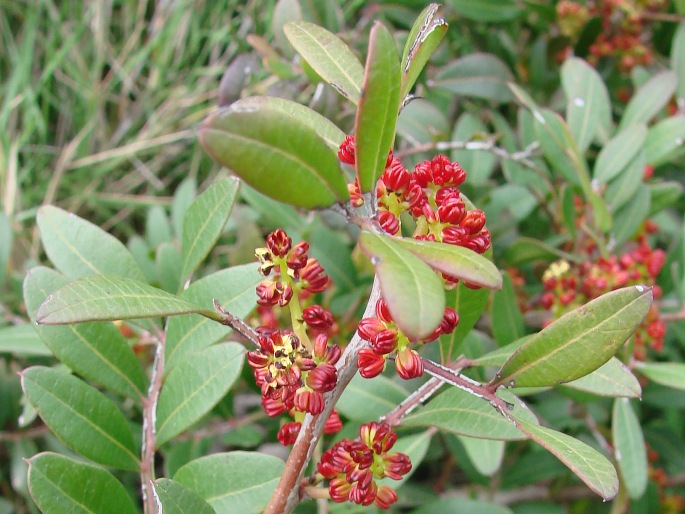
(288, 494)
(237, 324)
(29, 433)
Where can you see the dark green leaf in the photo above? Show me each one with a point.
(97, 351)
(379, 103)
(478, 75)
(612, 379)
(275, 153)
(204, 222)
(507, 321)
(413, 292)
(233, 482)
(60, 484)
(78, 248)
(487, 10)
(104, 297)
(670, 374)
(470, 304)
(629, 448)
(619, 152)
(579, 342)
(663, 195)
(81, 416)
(193, 387)
(178, 499)
(330, 57)
(649, 99)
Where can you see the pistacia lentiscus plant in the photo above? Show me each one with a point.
(429, 249)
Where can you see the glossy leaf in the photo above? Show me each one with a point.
(106, 297)
(204, 222)
(485, 454)
(22, 341)
(463, 413)
(193, 387)
(588, 109)
(60, 484)
(678, 59)
(619, 152)
(669, 374)
(79, 248)
(81, 416)
(456, 261)
(234, 481)
(649, 99)
(366, 399)
(178, 499)
(330, 57)
(96, 351)
(629, 448)
(324, 128)
(275, 153)
(379, 103)
(665, 140)
(629, 219)
(234, 288)
(479, 75)
(612, 379)
(507, 321)
(588, 464)
(412, 291)
(578, 342)
(487, 10)
(424, 37)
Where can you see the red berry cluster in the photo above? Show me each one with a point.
(568, 286)
(354, 466)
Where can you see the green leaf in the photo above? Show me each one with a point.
(487, 10)
(588, 109)
(97, 351)
(275, 153)
(59, 484)
(204, 222)
(183, 198)
(665, 140)
(669, 374)
(619, 152)
(479, 75)
(578, 342)
(485, 454)
(664, 194)
(379, 103)
(424, 37)
(157, 227)
(330, 57)
(649, 99)
(6, 238)
(193, 387)
(168, 267)
(612, 379)
(470, 304)
(324, 128)
(463, 413)
(104, 297)
(588, 464)
(81, 416)
(678, 60)
(622, 188)
(507, 321)
(234, 288)
(234, 481)
(22, 341)
(629, 448)
(479, 163)
(629, 219)
(456, 261)
(79, 248)
(178, 499)
(412, 291)
(415, 447)
(365, 399)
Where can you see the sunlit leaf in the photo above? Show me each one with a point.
(629, 448)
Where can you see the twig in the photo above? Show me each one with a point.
(287, 494)
(30, 433)
(488, 145)
(237, 324)
(221, 428)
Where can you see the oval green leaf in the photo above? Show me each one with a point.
(178, 499)
(234, 481)
(485, 454)
(275, 153)
(194, 386)
(669, 374)
(621, 190)
(365, 399)
(379, 103)
(585, 462)
(103, 297)
(588, 109)
(620, 151)
(629, 218)
(412, 291)
(330, 57)
(508, 323)
(470, 304)
(81, 416)
(629, 448)
(203, 223)
(96, 351)
(678, 59)
(478, 75)
(665, 140)
(487, 10)
(478, 163)
(612, 379)
(579, 342)
(79, 248)
(22, 341)
(463, 413)
(59, 484)
(649, 99)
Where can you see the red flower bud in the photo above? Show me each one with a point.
(278, 242)
(450, 320)
(297, 257)
(408, 364)
(384, 342)
(369, 327)
(452, 211)
(346, 153)
(370, 363)
(309, 401)
(396, 178)
(317, 317)
(474, 221)
(388, 222)
(333, 423)
(288, 433)
(382, 311)
(322, 378)
(314, 276)
(385, 496)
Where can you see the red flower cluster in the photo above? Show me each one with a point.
(385, 339)
(354, 466)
